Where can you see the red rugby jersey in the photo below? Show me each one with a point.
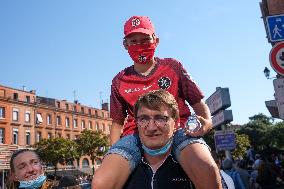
(167, 74)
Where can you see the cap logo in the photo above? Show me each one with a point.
(135, 22)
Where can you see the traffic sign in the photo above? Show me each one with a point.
(220, 99)
(276, 58)
(275, 26)
(225, 140)
(222, 117)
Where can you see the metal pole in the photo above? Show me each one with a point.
(3, 178)
(227, 152)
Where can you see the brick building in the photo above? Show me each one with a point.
(26, 118)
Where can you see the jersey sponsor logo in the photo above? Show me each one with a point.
(164, 82)
(179, 180)
(137, 89)
(135, 22)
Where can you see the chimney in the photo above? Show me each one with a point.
(105, 106)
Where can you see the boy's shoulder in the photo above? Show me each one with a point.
(169, 61)
(125, 71)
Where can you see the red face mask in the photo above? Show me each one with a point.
(142, 53)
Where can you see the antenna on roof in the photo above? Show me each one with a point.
(75, 97)
(101, 98)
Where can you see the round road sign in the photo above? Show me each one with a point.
(276, 58)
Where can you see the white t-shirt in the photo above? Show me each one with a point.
(229, 181)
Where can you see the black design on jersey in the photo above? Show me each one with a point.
(164, 82)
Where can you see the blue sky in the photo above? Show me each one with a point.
(58, 46)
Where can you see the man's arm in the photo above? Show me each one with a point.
(115, 131)
(204, 116)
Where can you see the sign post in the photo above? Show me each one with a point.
(218, 102)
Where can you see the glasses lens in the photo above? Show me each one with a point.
(159, 120)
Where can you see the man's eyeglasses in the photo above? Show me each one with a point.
(159, 120)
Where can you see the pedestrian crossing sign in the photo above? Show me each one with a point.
(275, 27)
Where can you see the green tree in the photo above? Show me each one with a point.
(56, 150)
(277, 134)
(93, 144)
(258, 130)
(242, 143)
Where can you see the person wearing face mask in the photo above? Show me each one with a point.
(156, 114)
(27, 170)
(146, 74)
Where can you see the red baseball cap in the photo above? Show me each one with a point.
(138, 24)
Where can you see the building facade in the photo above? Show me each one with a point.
(26, 118)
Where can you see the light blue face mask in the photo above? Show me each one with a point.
(33, 184)
(159, 151)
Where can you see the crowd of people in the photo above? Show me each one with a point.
(151, 146)
(254, 171)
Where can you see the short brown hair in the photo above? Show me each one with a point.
(154, 100)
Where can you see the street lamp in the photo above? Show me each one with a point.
(266, 72)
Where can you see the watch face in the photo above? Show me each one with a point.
(164, 82)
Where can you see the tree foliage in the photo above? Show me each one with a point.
(258, 130)
(242, 144)
(93, 144)
(56, 150)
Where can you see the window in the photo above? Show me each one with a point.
(67, 122)
(74, 108)
(15, 114)
(15, 136)
(28, 99)
(2, 93)
(28, 116)
(49, 119)
(85, 163)
(28, 137)
(38, 136)
(104, 127)
(15, 96)
(83, 124)
(90, 111)
(67, 106)
(96, 113)
(103, 114)
(58, 135)
(49, 135)
(2, 135)
(2, 112)
(90, 125)
(38, 118)
(68, 136)
(98, 162)
(97, 126)
(58, 120)
(75, 123)
(82, 110)
(58, 104)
